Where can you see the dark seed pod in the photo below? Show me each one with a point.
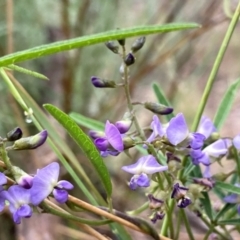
(121, 42)
(14, 134)
(130, 59)
(138, 44)
(112, 46)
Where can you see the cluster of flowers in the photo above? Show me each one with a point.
(30, 190)
(173, 139)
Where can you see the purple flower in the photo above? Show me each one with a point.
(145, 165)
(157, 215)
(101, 83)
(46, 182)
(112, 141)
(19, 198)
(3, 179)
(179, 193)
(154, 203)
(206, 127)
(23, 179)
(214, 150)
(236, 142)
(233, 198)
(158, 129)
(177, 133)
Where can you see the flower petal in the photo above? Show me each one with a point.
(151, 165)
(236, 142)
(65, 185)
(232, 198)
(177, 129)
(216, 149)
(101, 144)
(141, 180)
(24, 211)
(3, 179)
(113, 136)
(60, 195)
(206, 127)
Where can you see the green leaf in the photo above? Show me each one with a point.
(207, 205)
(235, 221)
(226, 207)
(61, 46)
(85, 144)
(87, 122)
(226, 104)
(227, 187)
(28, 72)
(162, 99)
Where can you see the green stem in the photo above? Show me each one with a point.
(237, 160)
(167, 219)
(187, 225)
(6, 159)
(128, 96)
(13, 89)
(178, 226)
(215, 68)
(72, 217)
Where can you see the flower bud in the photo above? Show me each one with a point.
(138, 44)
(23, 179)
(128, 142)
(112, 46)
(101, 83)
(14, 135)
(129, 59)
(31, 142)
(123, 125)
(154, 203)
(157, 215)
(158, 108)
(121, 42)
(207, 183)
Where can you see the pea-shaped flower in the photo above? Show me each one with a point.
(46, 182)
(144, 166)
(19, 200)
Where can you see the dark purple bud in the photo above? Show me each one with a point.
(101, 144)
(158, 108)
(157, 216)
(14, 135)
(138, 44)
(31, 142)
(129, 59)
(208, 183)
(123, 126)
(101, 83)
(178, 191)
(154, 203)
(23, 179)
(184, 202)
(112, 46)
(121, 42)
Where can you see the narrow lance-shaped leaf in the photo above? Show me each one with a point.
(235, 221)
(207, 205)
(87, 122)
(226, 104)
(227, 187)
(61, 46)
(85, 144)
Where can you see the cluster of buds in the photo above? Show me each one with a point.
(30, 190)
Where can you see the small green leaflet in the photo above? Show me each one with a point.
(84, 143)
(226, 104)
(61, 46)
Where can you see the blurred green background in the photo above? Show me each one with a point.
(179, 62)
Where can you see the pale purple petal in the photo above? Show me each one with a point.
(141, 180)
(65, 185)
(151, 165)
(157, 127)
(206, 127)
(236, 142)
(18, 194)
(135, 168)
(113, 136)
(177, 130)
(101, 144)
(197, 140)
(109, 152)
(60, 195)
(24, 211)
(44, 182)
(216, 149)
(232, 198)
(3, 179)
(207, 172)
(96, 134)
(2, 202)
